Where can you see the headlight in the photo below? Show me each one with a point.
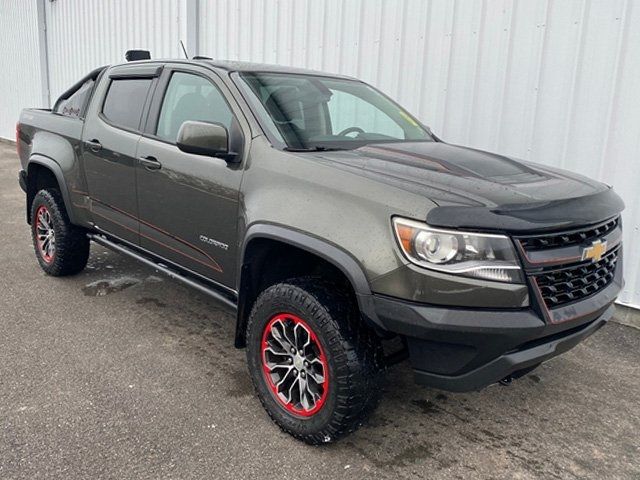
(478, 255)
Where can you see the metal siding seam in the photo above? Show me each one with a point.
(478, 59)
(574, 81)
(442, 104)
(307, 39)
(507, 70)
(420, 113)
(43, 52)
(540, 63)
(340, 36)
(192, 26)
(239, 31)
(620, 50)
(323, 42)
(356, 39)
(288, 45)
(401, 54)
(276, 41)
(379, 18)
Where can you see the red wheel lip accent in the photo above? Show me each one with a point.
(46, 258)
(322, 357)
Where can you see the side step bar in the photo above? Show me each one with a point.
(226, 301)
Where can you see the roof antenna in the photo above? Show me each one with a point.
(184, 50)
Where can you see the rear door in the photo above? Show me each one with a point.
(189, 203)
(110, 141)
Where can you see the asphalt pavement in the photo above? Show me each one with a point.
(121, 373)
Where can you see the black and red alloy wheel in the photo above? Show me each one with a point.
(294, 365)
(45, 234)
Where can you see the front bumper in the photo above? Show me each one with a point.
(461, 349)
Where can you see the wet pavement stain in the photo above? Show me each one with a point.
(102, 288)
(427, 406)
(411, 455)
(242, 386)
(151, 301)
(534, 378)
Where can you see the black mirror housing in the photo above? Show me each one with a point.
(202, 138)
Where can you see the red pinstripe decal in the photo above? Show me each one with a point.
(214, 267)
(214, 264)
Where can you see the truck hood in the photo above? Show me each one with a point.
(478, 189)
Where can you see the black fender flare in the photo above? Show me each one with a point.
(329, 252)
(55, 168)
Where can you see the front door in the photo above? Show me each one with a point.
(188, 204)
(110, 141)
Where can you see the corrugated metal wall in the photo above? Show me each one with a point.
(20, 75)
(549, 81)
(84, 34)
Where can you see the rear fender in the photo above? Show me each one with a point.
(54, 167)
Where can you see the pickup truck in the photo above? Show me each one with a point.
(342, 234)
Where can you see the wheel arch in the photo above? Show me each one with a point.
(324, 251)
(36, 178)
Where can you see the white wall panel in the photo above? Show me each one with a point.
(84, 34)
(544, 80)
(19, 65)
(553, 81)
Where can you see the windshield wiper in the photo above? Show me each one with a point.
(317, 148)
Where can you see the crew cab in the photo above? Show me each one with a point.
(328, 220)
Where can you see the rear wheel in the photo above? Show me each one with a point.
(315, 366)
(61, 247)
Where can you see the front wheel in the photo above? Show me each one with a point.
(316, 367)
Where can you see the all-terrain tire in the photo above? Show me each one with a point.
(61, 247)
(351, 352)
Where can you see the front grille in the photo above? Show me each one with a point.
(566, 239)
(571, 284)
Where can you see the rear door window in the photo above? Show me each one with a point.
(125, 101)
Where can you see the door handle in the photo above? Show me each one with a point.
(150, 163)
(94, 145)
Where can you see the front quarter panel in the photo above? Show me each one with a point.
(353, 213)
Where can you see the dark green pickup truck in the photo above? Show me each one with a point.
(328, 220)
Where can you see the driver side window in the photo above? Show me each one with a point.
(347, 110)
(191, 97)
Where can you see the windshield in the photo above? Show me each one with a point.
(313, 112)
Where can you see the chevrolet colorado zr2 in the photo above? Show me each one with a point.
(329, 220)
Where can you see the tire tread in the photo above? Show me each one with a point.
(72, 244)
(359, 361)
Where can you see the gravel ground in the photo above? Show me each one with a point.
(121, 373)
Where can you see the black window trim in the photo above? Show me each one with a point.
(137, 71)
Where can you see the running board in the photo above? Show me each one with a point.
(161, 267)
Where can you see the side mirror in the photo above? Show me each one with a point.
(201, 138)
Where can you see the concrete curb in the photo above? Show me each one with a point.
(7, 141)
(627, 316)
